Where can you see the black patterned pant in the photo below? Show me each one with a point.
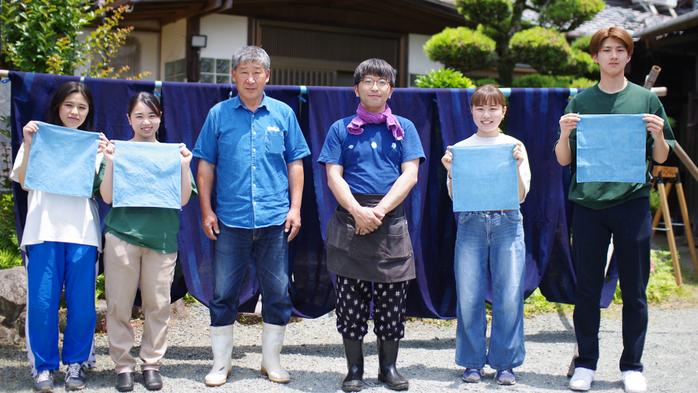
(353, 308)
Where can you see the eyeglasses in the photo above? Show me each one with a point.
(369, 83)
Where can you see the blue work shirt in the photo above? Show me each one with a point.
(251, 151)
(371, 161)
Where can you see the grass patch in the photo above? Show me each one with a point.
(662, 285)
(189, 299)
(661, 288)
(538, 304)
(9, 259)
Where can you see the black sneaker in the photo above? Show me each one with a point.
(74, 377)
(43, 381)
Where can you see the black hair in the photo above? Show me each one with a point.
(148, 99)
(377, 67)
(61, 94)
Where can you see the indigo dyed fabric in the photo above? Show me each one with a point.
(62, 161)
(484, 178)
(147, 174)
(611, 148)
(441, 117)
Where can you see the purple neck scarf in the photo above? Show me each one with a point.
(356, 127)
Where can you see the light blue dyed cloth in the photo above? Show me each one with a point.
(147, 174)
(484, 178)
(62, 161)
(611, 148)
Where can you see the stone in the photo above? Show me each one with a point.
(9, 336)
(13, 294)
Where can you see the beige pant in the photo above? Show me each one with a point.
(128, 267)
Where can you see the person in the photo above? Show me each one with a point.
(490, 245)
(371, 159)
(252, 147)
(140, 252)
(605, 209)
(61, 239)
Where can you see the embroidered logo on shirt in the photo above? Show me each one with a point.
(273, 129)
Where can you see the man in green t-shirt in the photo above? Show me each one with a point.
(605, 209)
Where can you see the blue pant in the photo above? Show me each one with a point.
(490, 244)
(50, 267)
(630, 224)
(236, 250)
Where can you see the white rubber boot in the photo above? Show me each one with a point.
(222, 345)
(272, 341)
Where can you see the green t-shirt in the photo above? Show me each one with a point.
(633, 99)
(149, 227)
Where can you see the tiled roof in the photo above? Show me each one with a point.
(619, 13)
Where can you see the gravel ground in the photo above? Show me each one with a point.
(314, 357)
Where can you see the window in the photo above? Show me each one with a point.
(176, 71)
(214, 70)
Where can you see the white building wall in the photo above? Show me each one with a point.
(225, 33)
(417, 61)
(173, 43)
(149, 59)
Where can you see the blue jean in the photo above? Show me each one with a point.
(51, 266)
(490, 244)
(235, 250)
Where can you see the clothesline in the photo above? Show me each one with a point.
(303, 90)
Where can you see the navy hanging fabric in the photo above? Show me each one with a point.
(533, 119)
(441, 116)
(110, 98)
(31, 97)
(311, 287)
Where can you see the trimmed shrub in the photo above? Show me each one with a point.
(444, 78)
(582, 43)
(582, 83)
(538, 80)
(486, 81)
(543, 49)
(461, 48)
(484, 12)
(569, 14)
(581, 63)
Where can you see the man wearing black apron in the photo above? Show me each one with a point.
(372, 159)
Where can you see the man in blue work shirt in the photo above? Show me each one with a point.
(251, 147)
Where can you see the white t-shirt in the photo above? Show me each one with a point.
(59, 218)
(524, 169)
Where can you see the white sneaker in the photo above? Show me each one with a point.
(582, 379)
(634, 381)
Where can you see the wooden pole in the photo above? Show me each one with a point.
(686, 161)
(688, 232)
(664, 204)
(658, 213)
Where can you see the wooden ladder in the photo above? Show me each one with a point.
(666, 177)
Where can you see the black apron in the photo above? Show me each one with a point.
(384, 255)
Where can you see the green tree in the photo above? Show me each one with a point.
(541, 44)
(49, 36)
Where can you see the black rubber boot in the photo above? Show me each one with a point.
(355, 366)
(388, 374)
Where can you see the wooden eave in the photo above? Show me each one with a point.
(399, 16)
